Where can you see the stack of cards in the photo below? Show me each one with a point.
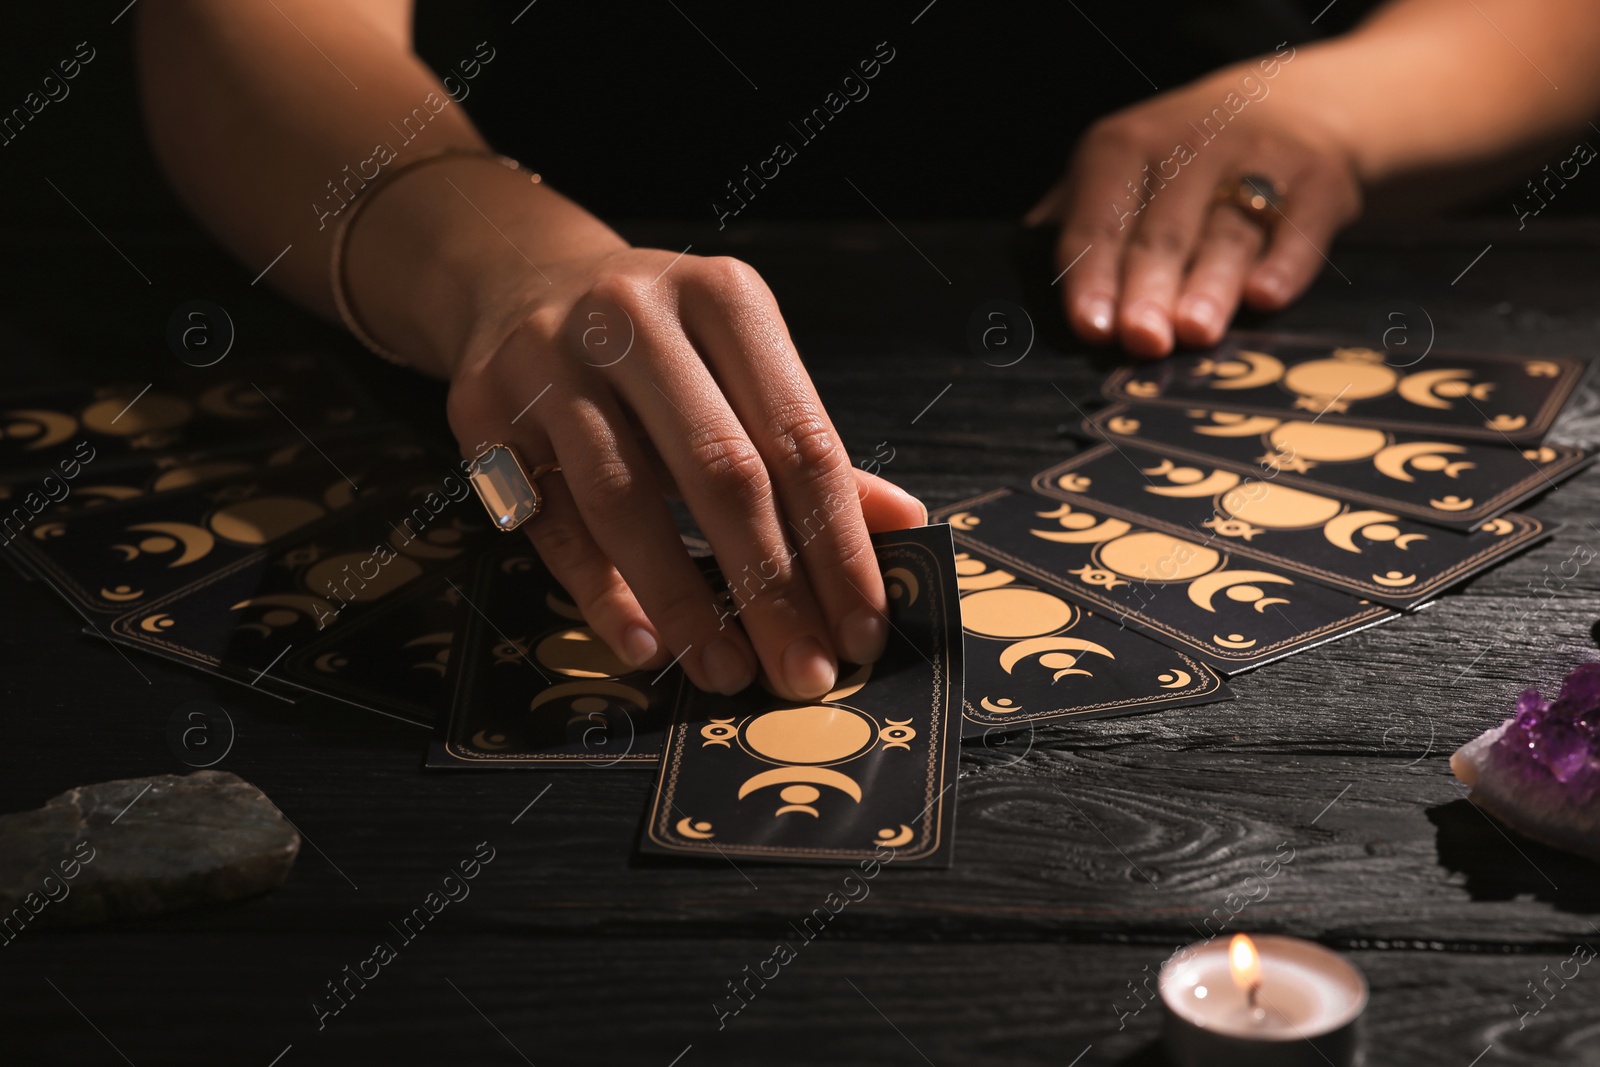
(266, 526)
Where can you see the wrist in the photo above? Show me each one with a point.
(444, 261)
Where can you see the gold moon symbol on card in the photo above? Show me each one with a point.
(40, 428)
(291, 603)
(1247, 370)
(331, 662)
(1342, 530)
(1424, 455)
(799, 798)
(963, 520)
(1541, 368)
(1234, 641)
(1174, 679)
(489, 742)
(1157, 557)
(154, 624)
(973, 575)
(1079, 527)
(1279, 507)
(1190, 481)
(899, 582)
(814, 733)
(1326, 443)
(182, 477)
(623, 694)
(197, 542)
(47, 530)
(1542, 454)
(1507, 422)
(849, 684)
(888, 838)
(1122, 424)
(231, 400)
(1452, 503)
(1231, 424)
(1394, 579)
(1054, 653)
(1499, 526)
(1143, 389)
(1015, 612)
(579, 653)
(153, 411)
(1353, 374)
(121, 594)
(814, 775)
(1003, 706)
(1243, 587)
(255, 522)
(1436, 388)
(698, 831)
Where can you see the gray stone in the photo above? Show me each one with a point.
(140, 846)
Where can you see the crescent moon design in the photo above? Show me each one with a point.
(1452, 503)
(197, 541)
(156, 623)
(330, 662)
(1237, 426)
(1498, 526)
(1394, 579)
(304, 603)
(976, 583)
(46, 530)
(910, 588)
(888, 837)
(849, 684)
(586, 688)
(1341, 528)
(1218, 481)
(119, 415)
(1236, 641)
(1422, 388)
(128, 551)
(1392, 460)
(56, 426)
(1203, 588)
(1033, 646)
(1179, 679)
(121, 594)
(963, 520)
(1005, 706)
(696, 831)
(1106, 530)
(485, 740)
(815, 775)
(1247, 370)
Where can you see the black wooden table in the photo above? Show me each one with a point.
(1084, 854)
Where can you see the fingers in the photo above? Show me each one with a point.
(1100, 212)
(1321, 199)
(886, 506)
(741, 334)
(725, 480)
(1158, 254)
(1228, 250)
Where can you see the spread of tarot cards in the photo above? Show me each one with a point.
(268, 526)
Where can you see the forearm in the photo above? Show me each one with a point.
(270, 143)
(1425, 84)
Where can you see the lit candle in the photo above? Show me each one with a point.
(1278, 1001)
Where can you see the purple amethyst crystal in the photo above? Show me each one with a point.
(1539, 771)
(1560, 737)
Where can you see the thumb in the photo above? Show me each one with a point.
(886, 506)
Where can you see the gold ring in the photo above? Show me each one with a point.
(1258, 197)
(509, 491)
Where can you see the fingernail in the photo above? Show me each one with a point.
(862, 636)
(1201, 312)
(1099, 311)
(725, 666)
(1271, 287)
(639, 645)
(809, 670)
(1155, 323)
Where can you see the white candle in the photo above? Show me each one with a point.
(1305, 1008)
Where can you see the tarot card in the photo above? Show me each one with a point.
(1371, 553)
(535, 687)
(395, 661)
(68, 428)
(114, 557)
(1479, 395)
(1035, 657)
(1455, 484)
(1231, 614)
(867, 772)
(245, 617)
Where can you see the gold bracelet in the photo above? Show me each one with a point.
(341, 238)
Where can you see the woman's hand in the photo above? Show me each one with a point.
(1160, 258)
(645, 374)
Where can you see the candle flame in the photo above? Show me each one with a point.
(1244, 962)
